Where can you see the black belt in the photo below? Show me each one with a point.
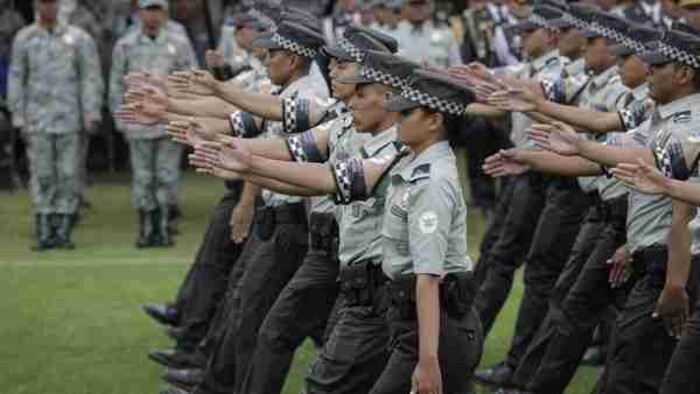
(361, 282)
(616, 209)
(652, 260)
(283, 214)
(457, 293)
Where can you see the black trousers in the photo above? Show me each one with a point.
(555, 234)
(209, 275)
(483, 139)
(357, 348)
(302, 310)
(584, 305)
(184, 293)
(494, 227)
(682, 373)
(584, 245)
(272, 264)
(508, 253)
(460, 349)
(640, 348)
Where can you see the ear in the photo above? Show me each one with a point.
(435, 121)
(685, 75)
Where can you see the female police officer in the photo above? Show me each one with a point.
(437, 340)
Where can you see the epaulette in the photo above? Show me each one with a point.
(682, 117)
(420, 172)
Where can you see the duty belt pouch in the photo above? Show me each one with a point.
(402, 293)
(265, 222)
(457, 294)
(324, 231)
(355, 283)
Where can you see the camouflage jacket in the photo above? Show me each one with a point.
(54, 80)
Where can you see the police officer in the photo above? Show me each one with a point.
(436, 333)
(55, 90)
(155, 160)
(423, 42)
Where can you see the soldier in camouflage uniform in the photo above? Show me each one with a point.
(155, 159)
(423, 42)
(55, 89)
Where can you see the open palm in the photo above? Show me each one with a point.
(233, 156)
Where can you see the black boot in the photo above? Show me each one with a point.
(44, 240)
(145, 238)
(161, 223)
(63, 231)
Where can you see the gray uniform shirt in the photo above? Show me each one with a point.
(359, 222)
(649, 217)
(306, 87)
(604, 92)
(425, 223)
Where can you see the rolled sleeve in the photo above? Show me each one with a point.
(429, 223)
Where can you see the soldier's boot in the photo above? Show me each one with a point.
(43, 233)
(161, 224)
(63, 231)
(145, 238)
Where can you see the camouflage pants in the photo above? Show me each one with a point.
(54, 171)
(155, 166)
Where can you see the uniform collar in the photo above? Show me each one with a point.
(575, 67)
(545, 60)
(425, 159)
(378, 141)
(641, 92)
(603, 78)
(681, 105)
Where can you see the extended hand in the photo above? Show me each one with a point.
(198, 82)
(558, 137)
(241, 220)
(642, 176)
(507, 162)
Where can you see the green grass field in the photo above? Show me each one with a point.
(70, 321)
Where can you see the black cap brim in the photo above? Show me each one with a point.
(654, 57)
(399, 103)
(265, 41)
(621, 50)
(590, 33)
(338, 53)
(561, 23)
(525, 26)
(355, 79)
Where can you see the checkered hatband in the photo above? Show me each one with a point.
(608, 32)
(433, 102)
(680, 55)
(383, 77)
(349, 176)
(293, 46)
(542, 22)
(352, 50)
(576, 22)
(635, 45)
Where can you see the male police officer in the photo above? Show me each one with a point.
(55, 90)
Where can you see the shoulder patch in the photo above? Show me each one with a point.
(682, 117)
(420, 172)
